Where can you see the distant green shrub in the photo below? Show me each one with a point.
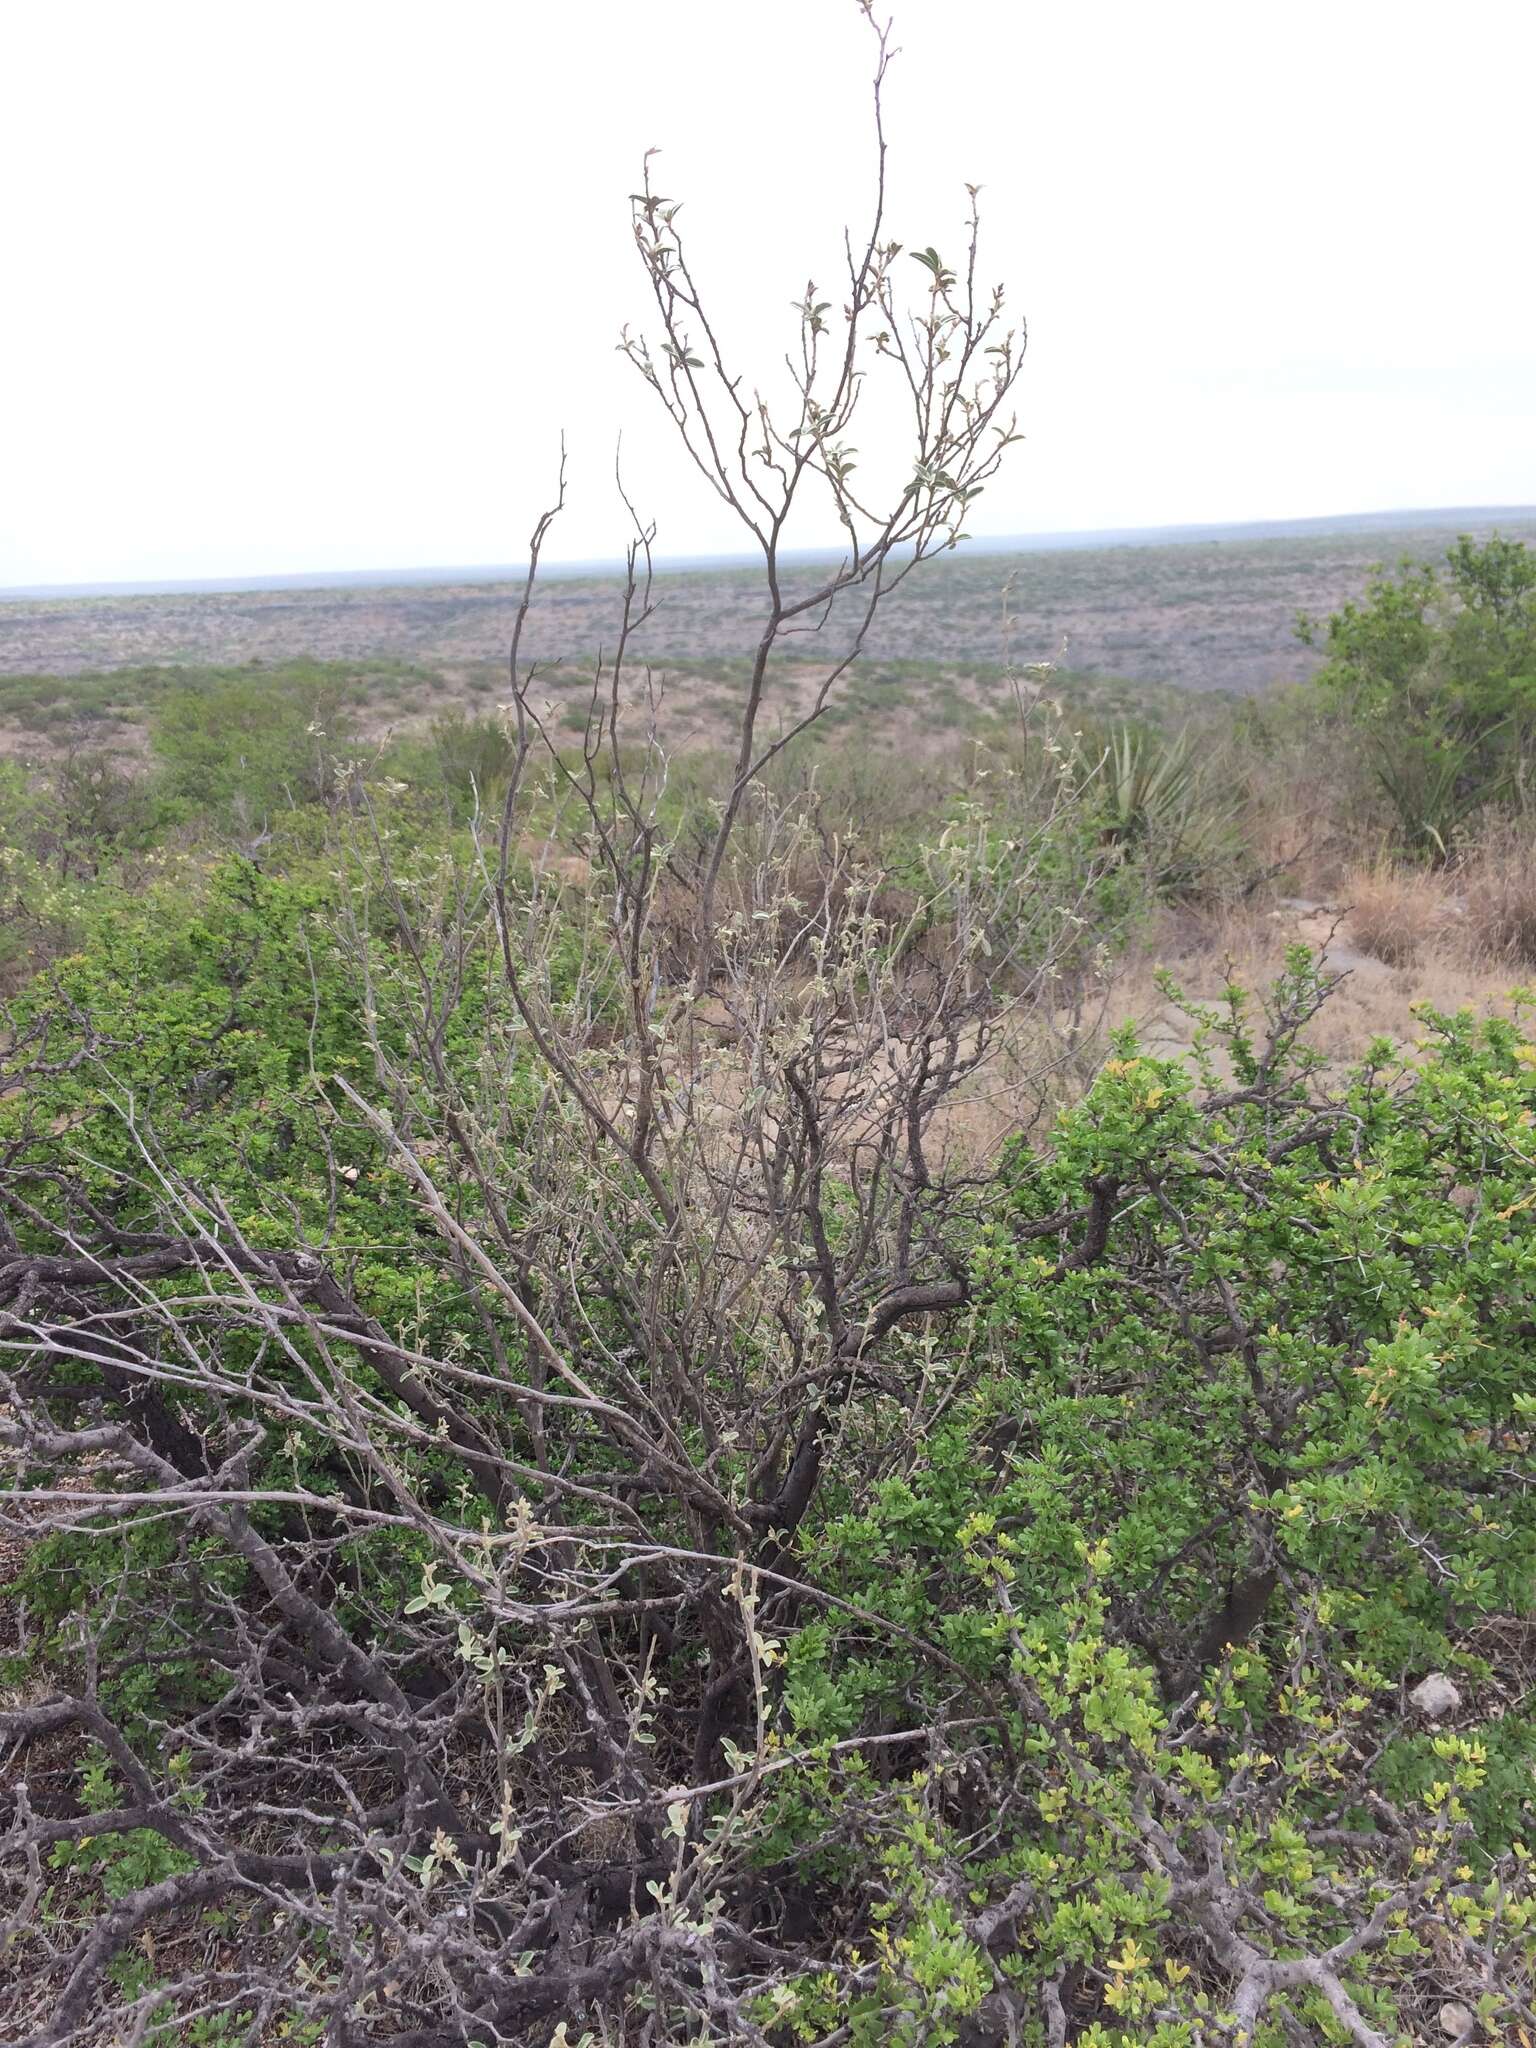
(473, 755)
(1436, 673)
(241, 746)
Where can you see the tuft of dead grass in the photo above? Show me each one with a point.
(1396, 912)
(1497, 881)
(1245, 945)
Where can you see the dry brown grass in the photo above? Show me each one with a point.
(1246, 945)
(1497, 882)
(1396, 912)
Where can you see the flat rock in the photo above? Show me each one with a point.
(1435, 1696)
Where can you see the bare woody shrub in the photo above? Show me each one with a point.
(422, 1597)
(684, 1188)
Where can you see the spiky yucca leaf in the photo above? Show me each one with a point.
(1162, 802)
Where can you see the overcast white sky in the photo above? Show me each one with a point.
(314, 284)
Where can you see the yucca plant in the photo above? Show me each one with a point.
(1433, 787)
(1161, 803)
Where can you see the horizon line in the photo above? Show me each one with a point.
(1043, 541)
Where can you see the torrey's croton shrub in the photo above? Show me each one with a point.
(1237, 1452)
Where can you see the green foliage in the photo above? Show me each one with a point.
(121, 1860)
(1089, 1912)
(243, 744)
(1281, 1407)
(1436, 670)
(38, 908)
(95, 809)
(474, 756)
(1321, 1349)
(198, 1030)
(224, 990)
